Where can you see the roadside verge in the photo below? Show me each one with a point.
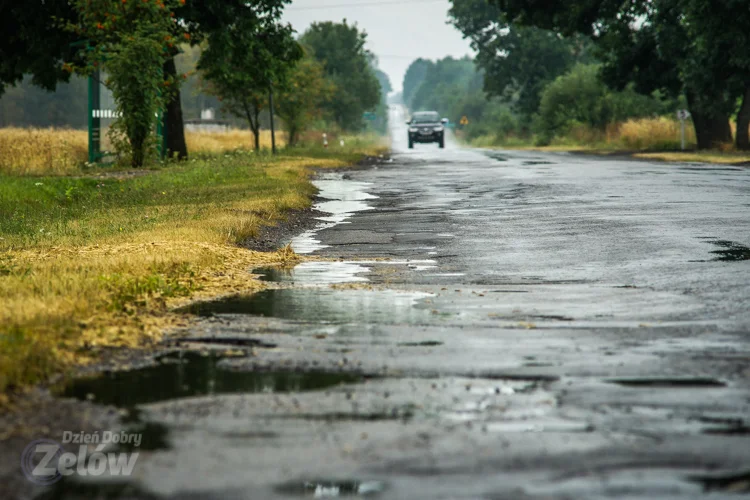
(88, 264)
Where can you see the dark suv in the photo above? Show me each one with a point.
(426, 126)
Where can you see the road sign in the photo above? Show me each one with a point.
(683, 114)
(464, 120)
(369, 115)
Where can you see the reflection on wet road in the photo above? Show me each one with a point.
(476, 324)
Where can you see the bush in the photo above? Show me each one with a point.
(580, 99)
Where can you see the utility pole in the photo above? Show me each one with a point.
(270, 106)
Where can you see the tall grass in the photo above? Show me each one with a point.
(644, 134)
(220, 142)
(42, 151)
(653, 133)
(36, 151)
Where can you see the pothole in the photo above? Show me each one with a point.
(731, 483)
(426, 343)
(686, 382)
(193, 374)
(331, 488)
(730, 251)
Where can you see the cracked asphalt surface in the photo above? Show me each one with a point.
(512, 325)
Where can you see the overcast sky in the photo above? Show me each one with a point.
(398, 31)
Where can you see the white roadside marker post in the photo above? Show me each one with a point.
(682, 115)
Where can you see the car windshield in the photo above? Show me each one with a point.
(430, 117)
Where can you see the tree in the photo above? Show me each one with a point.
(35, 42)
(131, 41)
(518, 61)
(674, 46)
(413, 78)
(244, 60)
(204, 20)
(341, 49)
(300, 103)
(444, 82)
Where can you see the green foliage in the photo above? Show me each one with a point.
(674, 46)
(244, 60)
(444, 83)
(415, 75)
(131, 41)
(580, 97)
(300, 103)
(340, 47)
(129, 293)
(518, 61)
(32, 44)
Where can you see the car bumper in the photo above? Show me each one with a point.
(419, 137)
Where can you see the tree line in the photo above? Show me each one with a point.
(600, 60)
(247, 53)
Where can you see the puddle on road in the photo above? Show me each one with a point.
(342, 198)
(331, 489)
(192, 374)
(322, 305)
(319, 273)
(323, 273)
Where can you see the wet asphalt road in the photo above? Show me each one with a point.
(513, 325)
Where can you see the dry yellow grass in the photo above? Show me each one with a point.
(42, 151)
(50, 151)
(652, 133)
(69, 303)
(219, 142)
(721, 157)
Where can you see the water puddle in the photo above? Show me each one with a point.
(341, 199)
(323, 305)
(319, 273)
(192, 374)
(332, 489)
(335, 272)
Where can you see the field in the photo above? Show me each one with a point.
(65, 152)
(97, 259)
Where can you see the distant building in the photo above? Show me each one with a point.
(207, 123)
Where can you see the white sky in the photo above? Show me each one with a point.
(398, 31)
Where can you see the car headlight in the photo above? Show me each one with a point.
(438, 129)
(413, 129)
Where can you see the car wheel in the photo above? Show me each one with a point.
(442, 142)
(411, 144)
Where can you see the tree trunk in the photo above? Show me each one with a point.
(256, 130)
(253, 123)
(743, 122)
(711, 129)
(175, 128)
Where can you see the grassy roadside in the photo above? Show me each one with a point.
(645, 138)
(88, 263)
